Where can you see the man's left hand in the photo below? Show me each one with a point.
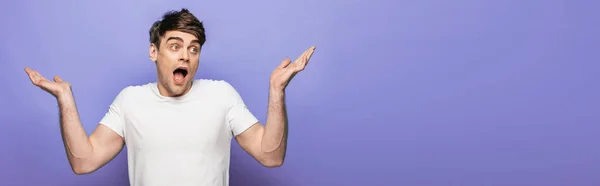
(283, 74)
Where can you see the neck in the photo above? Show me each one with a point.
(173, 93)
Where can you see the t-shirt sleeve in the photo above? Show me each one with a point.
(114, 118)
(238, 116)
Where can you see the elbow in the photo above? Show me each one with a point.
(82, 169)
(273, 162)
(80, 172)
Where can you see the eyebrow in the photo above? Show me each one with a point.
(174, 38)
(195, 41)
(181, 40)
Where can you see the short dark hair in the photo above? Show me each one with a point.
(183, 21)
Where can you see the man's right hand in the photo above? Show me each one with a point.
(85, 154)
(57, 87)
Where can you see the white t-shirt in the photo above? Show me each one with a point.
(179, 140)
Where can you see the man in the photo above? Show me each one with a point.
(178, 130)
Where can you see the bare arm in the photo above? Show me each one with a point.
(268, 144)
(85, 154)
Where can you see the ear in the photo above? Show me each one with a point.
(153, 52)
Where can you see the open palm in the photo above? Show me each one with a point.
(55, 87)
(284, 73)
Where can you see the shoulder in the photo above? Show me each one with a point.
(137, 90)
(134, 91)
(219, 90)
(212, 85)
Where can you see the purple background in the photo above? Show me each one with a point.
(417, 93)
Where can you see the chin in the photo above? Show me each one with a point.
(179, 90)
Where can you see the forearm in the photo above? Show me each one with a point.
(77, 146)
(275, 135)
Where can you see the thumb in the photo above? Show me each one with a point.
(57, 79)
(285, 63)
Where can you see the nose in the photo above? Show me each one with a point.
(184, 56)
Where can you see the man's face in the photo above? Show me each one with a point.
(176, 62)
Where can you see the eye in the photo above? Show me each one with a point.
(174, 47)
(194, 50)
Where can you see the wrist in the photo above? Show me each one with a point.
(275, 93)
(275, 90)
(64, 94)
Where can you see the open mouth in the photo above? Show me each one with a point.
(179, 74)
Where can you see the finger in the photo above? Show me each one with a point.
(304, 53)
(309, 54)
(289, 72)
(312, 51)
(30, 74)
(40, 80)
(43, 83)
(38, 76)
(299, 66)
(57, 79)
(304, 59)
(305, 56)
(285, 63)
(299, 59)
(35, 77)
